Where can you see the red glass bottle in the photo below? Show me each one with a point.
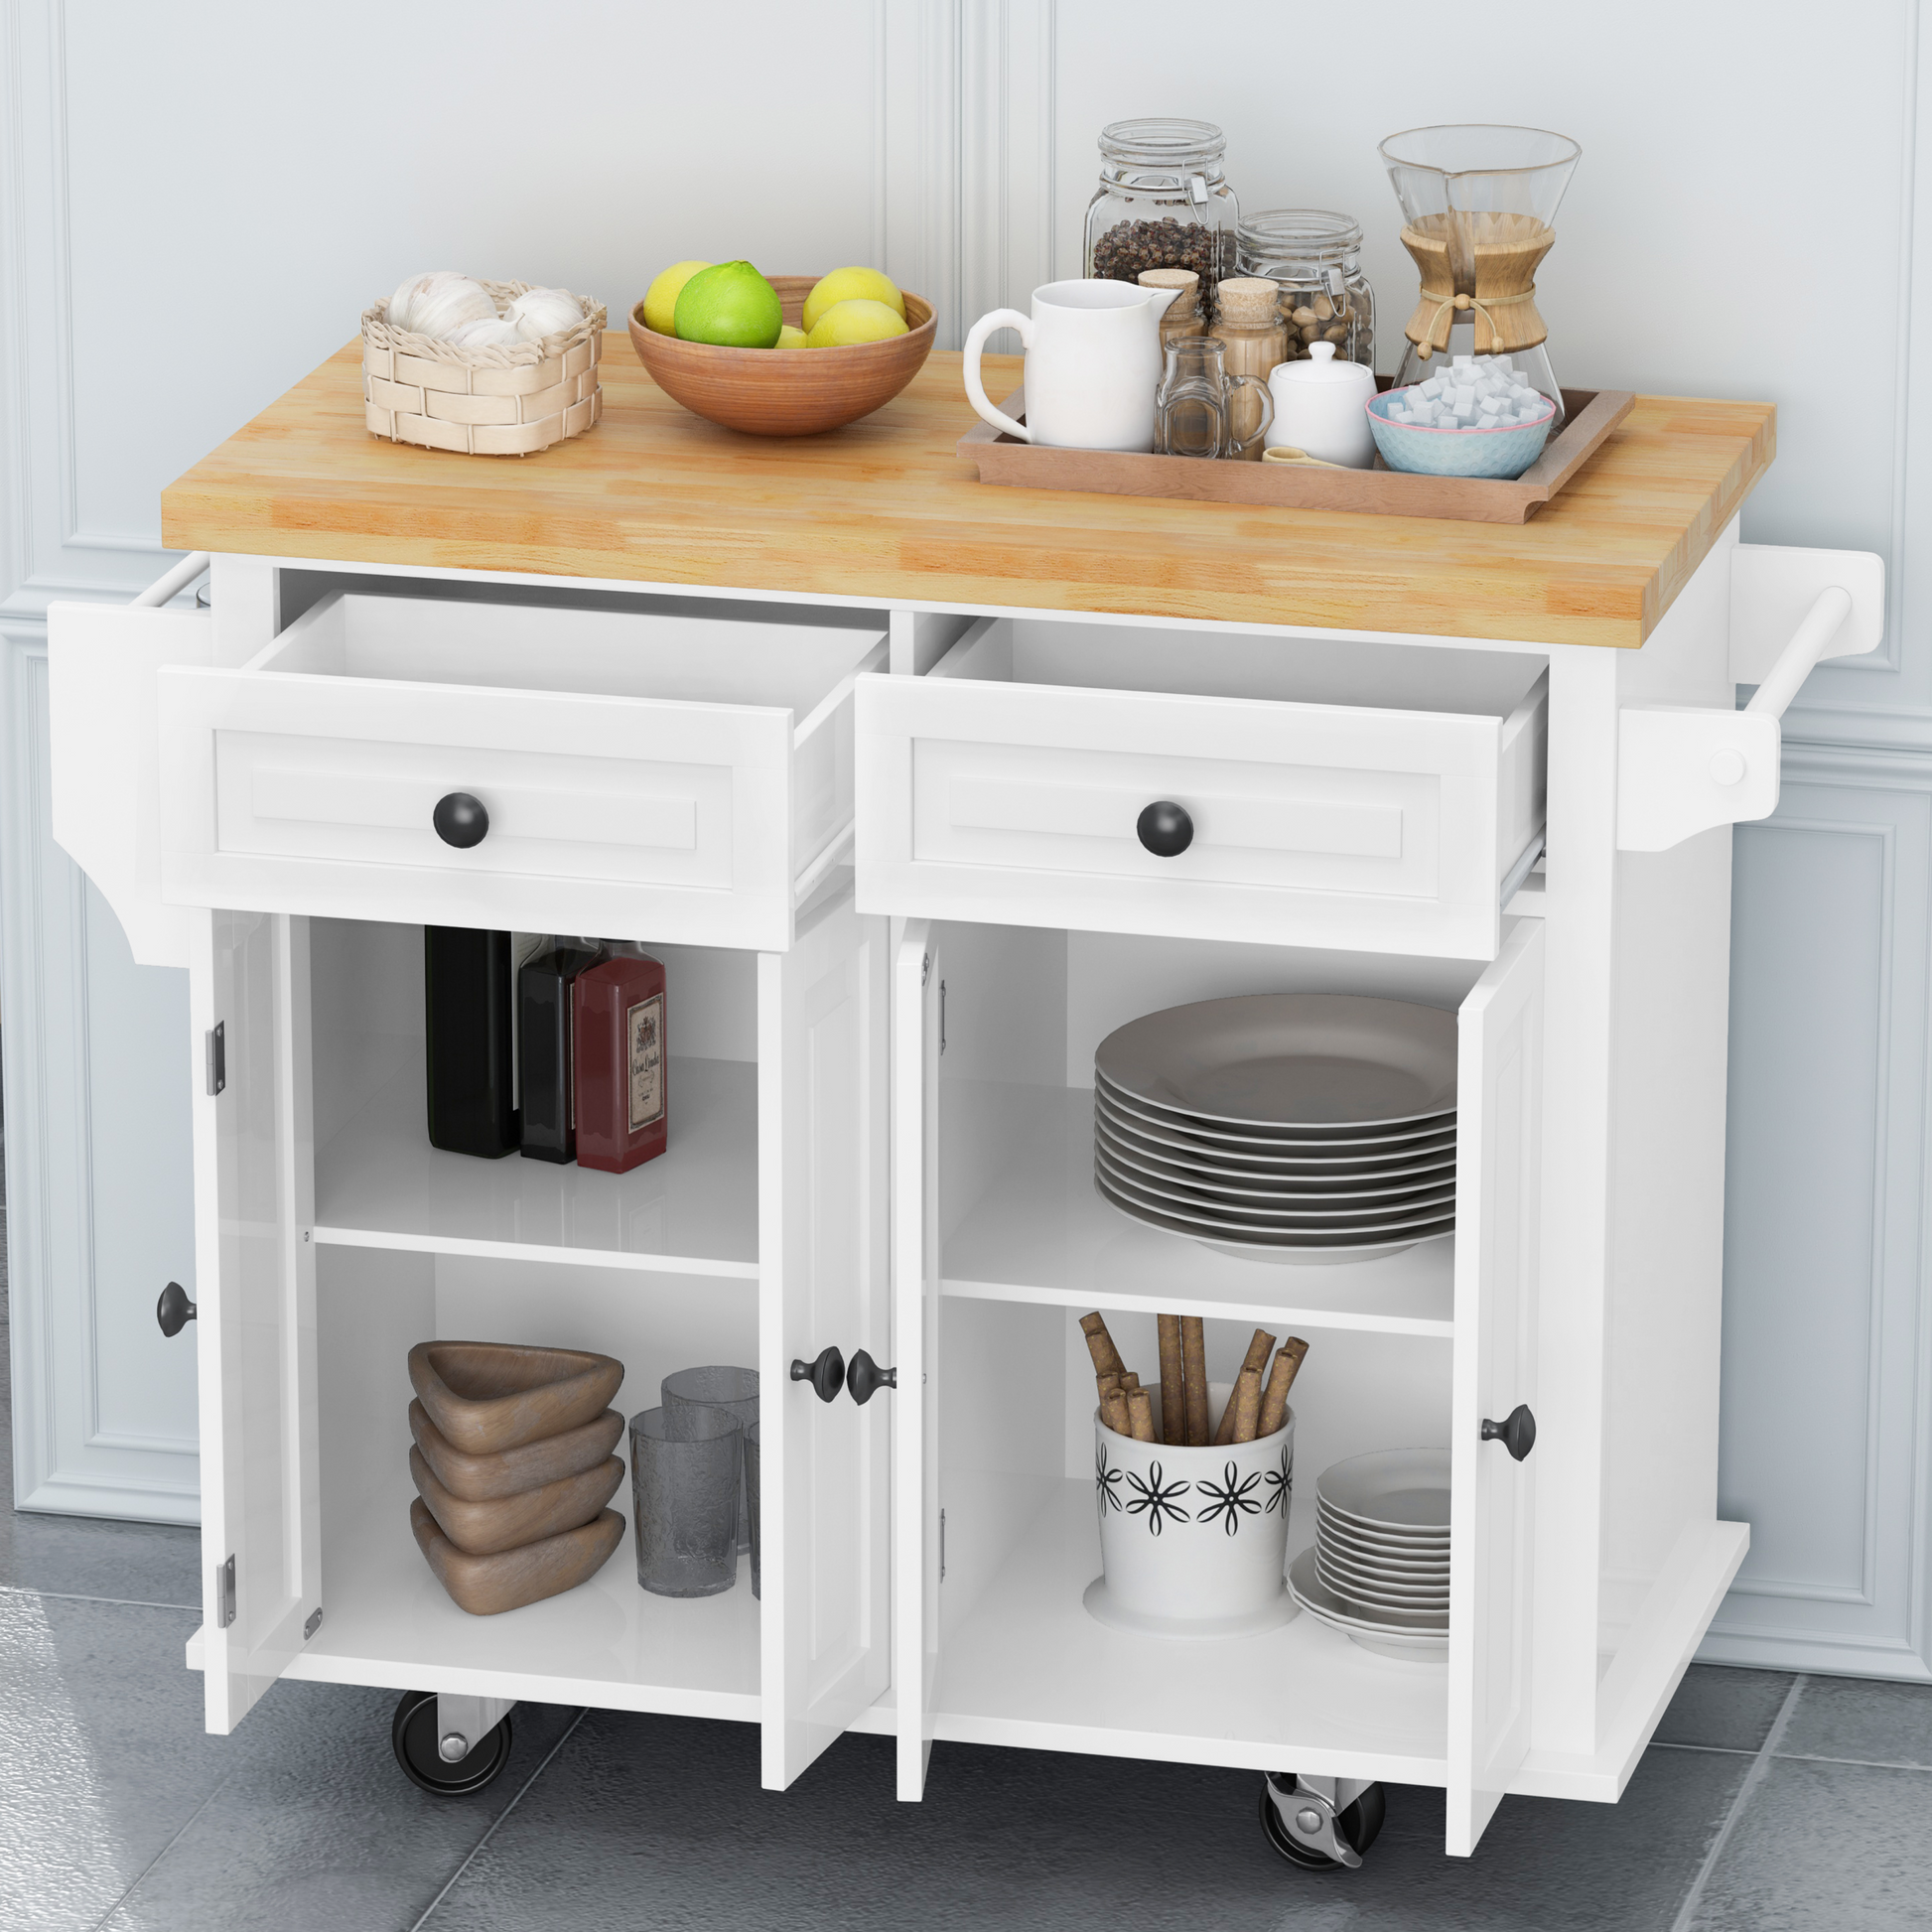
(622, 1065)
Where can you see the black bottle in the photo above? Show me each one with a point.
(543, 1046)
(469, 992)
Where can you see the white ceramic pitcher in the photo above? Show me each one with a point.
(1093, 358)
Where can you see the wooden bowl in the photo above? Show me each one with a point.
(486, 1396)
(509, 1522)
(513, 1472)
(488, 1586)
(780, 391)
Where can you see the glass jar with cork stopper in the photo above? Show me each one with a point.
(1163, 202)
(1183, 316)
(1251, 325)
(1314, 258)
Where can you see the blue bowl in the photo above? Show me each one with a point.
(1500, 451)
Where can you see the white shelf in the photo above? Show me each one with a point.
(1041, 1233)
(386, 1621)
(694, 1210)
(1029, 1667)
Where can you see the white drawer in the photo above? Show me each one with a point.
(684, 778)
(985, 796)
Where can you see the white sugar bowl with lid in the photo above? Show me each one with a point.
(1322, 406)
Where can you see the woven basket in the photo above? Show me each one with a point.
(481, 401)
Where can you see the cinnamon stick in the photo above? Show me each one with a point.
(1281, 1378)
(1139, 1408)
(1260, 1347)
(1174, 1392)
(1113, 1404)
(1245, 1405)
(1100, 1345)
(1193, 1369)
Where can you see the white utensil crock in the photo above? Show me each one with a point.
(1194, 1541)
(1093, 361)
(1321, 407)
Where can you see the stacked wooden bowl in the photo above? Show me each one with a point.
(514, 1468)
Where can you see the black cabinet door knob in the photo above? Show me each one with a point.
(826, 1375)
(1516, 1431)
(174, 1311)
(461, 820)
(865, 1378)
(1165, 829)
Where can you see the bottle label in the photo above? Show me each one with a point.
(644, 1032)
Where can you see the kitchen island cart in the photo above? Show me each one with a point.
(860, 748)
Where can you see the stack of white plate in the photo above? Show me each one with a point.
(1290, 1126)
(1379, 1570)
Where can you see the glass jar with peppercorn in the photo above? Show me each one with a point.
(1163, 202)
(1315, 259)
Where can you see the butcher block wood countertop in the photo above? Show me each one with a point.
(886, 510)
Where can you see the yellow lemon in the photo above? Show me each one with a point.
(845, 322)
(790, 338)
(852, 285)
(660, 299)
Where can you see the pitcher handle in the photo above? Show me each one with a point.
(1267, 413)
(975, 388)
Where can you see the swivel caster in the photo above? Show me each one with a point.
(1320, 1823)
(419, 1751)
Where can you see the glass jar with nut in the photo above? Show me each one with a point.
(1315, 259)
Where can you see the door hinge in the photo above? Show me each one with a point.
(942, 1546)
(314, 1623)
(217, 1041)
(224, 1592)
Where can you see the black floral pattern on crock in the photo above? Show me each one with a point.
(1230, 1499)
(1281, 1486)
(1106, 1481)
(1156, 1499)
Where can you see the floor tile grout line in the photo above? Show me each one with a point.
(1760, 1766)
(76, 1596)
(477, 1849)
(1800, 1757)
(187, 1825)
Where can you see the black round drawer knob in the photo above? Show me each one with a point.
(174, 1311)
(461, 820)
(1165, 829)
(826, 1374)
(865, 1378)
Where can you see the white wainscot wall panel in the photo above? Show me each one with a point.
(1826, 1406)
(98, 1181)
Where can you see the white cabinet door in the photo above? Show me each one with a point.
(1499, 1097)
(823, 1280)
(916, 984)
(248, 974)
(102, 665)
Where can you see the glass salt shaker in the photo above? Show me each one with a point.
(1314, 258)
(1194, 407)
(1163, 202)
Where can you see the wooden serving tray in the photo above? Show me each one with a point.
(1589, 416)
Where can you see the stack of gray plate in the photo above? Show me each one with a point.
(1379, 1571)
(1300, 1127)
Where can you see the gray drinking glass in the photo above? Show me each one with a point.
(734, 1390)
(752, 1498)
(684, 1499)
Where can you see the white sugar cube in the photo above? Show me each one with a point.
(1464, 393)
(1466, 362)
(1488, 419)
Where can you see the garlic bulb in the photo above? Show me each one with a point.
(498, 332)
(440, 303)
(538, 313)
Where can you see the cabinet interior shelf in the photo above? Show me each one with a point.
(1027, 1665)
(694, 1210)
(1039, 1232)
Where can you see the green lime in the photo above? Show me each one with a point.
(731, 305)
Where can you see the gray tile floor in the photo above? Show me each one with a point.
(1768, 1803)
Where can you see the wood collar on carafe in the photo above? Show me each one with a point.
(1483, 266)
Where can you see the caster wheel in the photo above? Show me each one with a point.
(1360, 1823)
(413, 1734)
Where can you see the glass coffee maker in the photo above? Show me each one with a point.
(1479, 204)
